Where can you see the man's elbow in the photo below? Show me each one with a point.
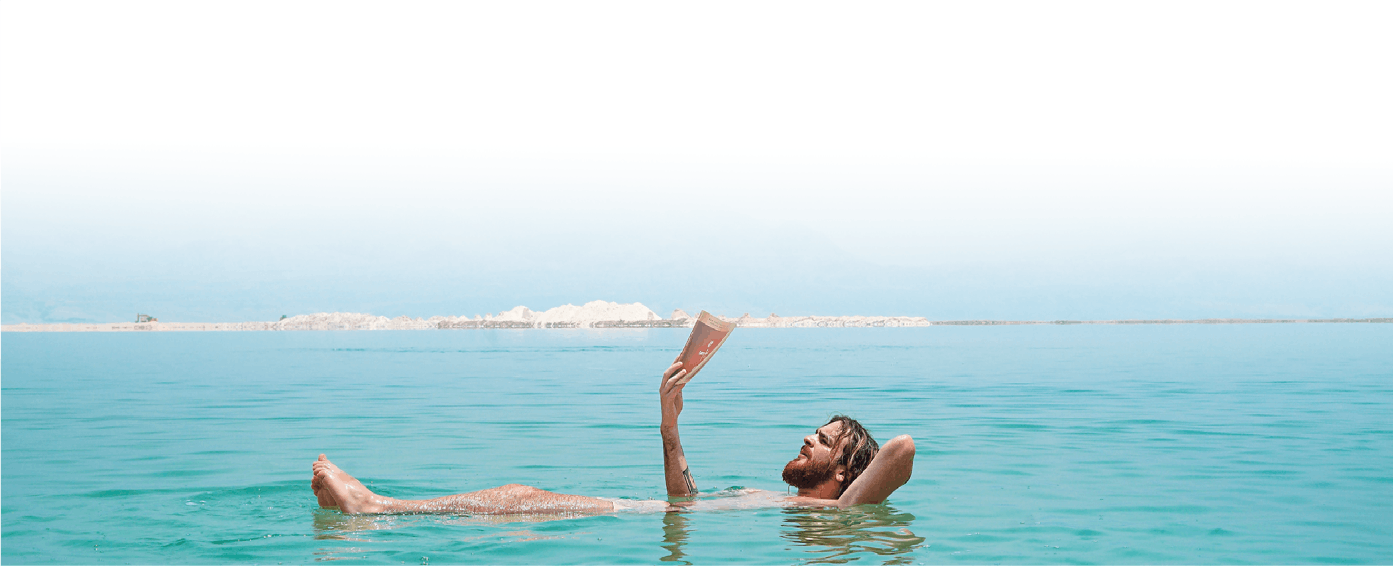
(903, 455)
(901, 446)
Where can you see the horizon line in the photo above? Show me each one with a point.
(827, 322)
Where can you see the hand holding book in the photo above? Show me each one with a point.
(707, 336)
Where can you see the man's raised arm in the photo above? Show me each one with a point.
(888, 471)
(679, 478)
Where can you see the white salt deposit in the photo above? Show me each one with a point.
(573, 316)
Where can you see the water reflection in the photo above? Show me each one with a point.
(332, 525)
(828, 535)
(879, 533)
(845, 535)
(675, 533)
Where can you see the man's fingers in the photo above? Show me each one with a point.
(674, 381)
(671, 369)
(683, 378)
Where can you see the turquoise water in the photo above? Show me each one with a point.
(1043, 444)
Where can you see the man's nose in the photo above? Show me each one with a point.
(808, 440)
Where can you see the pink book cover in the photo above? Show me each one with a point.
(707, 336)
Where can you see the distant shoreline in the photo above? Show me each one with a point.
(1167, 321)
(404, 323)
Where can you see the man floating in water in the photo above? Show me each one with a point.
(840, 465)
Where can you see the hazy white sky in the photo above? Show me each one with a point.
(1247, 83)
(1093, 137)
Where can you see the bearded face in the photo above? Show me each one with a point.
(817, 461)
(806, 473)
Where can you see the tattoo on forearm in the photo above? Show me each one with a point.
(691, 485)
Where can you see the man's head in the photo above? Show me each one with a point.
(836, 452)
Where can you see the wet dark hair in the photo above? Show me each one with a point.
(858, 451)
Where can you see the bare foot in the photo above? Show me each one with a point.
(336, 488)
(326, 500)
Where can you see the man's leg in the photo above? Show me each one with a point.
(334, 488)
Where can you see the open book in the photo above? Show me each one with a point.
(707, 336)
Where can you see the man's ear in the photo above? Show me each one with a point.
(841, 474)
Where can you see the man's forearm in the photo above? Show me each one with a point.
(679, 477)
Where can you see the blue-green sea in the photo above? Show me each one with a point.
(1259, 443)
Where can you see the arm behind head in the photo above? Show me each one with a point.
(889, 470)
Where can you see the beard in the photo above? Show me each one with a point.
(804, 473)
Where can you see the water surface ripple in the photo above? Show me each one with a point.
(1040, 444)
